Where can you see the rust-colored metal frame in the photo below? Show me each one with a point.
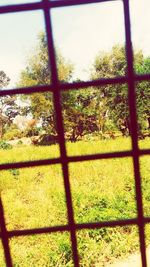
(56, 87)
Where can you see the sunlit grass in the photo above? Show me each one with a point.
(99, 146)
(101, 190)
(26, 153)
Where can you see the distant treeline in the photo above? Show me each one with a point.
(95, 110)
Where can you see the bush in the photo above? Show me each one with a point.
(20, 142)
(12, 133)
(14, 172)
(110, 126)
(4, 145)
(45, 140)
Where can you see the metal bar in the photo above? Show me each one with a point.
(60, 129)
(134, 130)
(69, 159)
(4, 237)
(143, 152)
(64, 3)
(72, 86)
(21, 7)
(147, 219)
(120, 154)
(27, 164)
(50, 4)
(36, 231)
(98, 225)
(142, 77)
(66, 228)
(98, 82)
(62, 86)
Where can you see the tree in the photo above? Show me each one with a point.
(113, 64)
(8, 106)
(143, 96)
(79, 112)
(37, 72)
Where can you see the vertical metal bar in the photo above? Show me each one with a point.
(4, 236)
(134, 130)
(60, 129)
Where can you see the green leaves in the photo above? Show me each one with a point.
(113, 64)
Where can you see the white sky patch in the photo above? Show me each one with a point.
(80, 32)
(88, 29)
(18, 33)
(140, 25)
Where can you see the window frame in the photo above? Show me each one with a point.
(56, 88)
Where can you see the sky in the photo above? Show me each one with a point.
(80, 33)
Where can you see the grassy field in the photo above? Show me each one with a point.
(101, 190)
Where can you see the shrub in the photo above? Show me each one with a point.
(4, 145)
(14, 172)
(110, 126)
(20, 142)
(12, 133)
(46, 140)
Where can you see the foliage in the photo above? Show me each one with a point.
(113, 64)
(20, 142)
(14, 172)
(91, 110)
(8, 106)
(4, 145)
(45, 140)
(12, 133)
(143, 96)
(79, 112)
(37, 72)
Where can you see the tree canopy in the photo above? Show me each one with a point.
(37, 72)
(8, 106)
(113, 64)
(90, 110)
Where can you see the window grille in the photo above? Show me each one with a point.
(56, 87)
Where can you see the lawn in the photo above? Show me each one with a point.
(101, 190)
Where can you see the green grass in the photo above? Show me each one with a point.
(101, 190)
(25, 153)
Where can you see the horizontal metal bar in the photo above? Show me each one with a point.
(42, 162)
(80, 226)
(142, 77)
(143, 152)
(98, 82)
(62, 86)
(63, 3)
(44, 230)
(21, 7)
(16, 165)
(147, 220)
(119, 154)
(72, 86)
(97, 225)
(26, 164)
(50, 4)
